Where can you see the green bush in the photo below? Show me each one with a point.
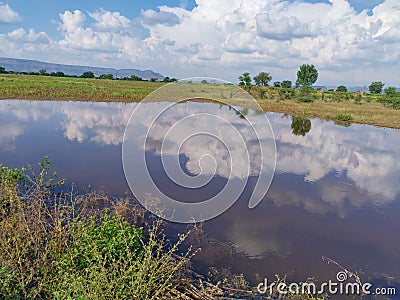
(68, 247)
(344, 117)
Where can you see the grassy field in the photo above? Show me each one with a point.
(67, 88)
(341, 107)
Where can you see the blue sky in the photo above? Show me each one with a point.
(354, 41)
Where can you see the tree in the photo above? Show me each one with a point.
(2, 70)
(136, 78)
(87, 74)
(106, 76)
(277, 84)
(307, 75)
(390, 91)
(341, 89)
(376, 87)
(153, 79)
(60, 74)
(166, 79)
(204, 81)
(286, 84)
(262, 78)
(245, 79)
(43, 72)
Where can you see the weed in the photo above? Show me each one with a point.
(344, 117)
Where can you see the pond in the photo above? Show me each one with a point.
(335, 193)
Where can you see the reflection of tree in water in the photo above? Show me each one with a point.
(243, 113)
(300, 126)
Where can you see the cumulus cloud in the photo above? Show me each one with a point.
(72, 20)
(284, 28)
(222, 38)
(8, 15)
(31, 36)
(151, 17)
(109, 21)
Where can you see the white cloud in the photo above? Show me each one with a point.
(151, 17)
(225, 38)
(109, 21)
(72, 20)
(283, 28)
(8, 15)
(29, 37)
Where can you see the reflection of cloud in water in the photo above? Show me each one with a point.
(256, 242)
(9, 131)
(228, 148)
(366, 155)
(103, 123)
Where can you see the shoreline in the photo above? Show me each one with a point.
(326, 105)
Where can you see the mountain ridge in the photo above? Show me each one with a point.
(30, 65)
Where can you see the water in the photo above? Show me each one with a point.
(336, 190)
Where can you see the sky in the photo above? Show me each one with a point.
(351, 42)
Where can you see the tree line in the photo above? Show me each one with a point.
(307, 75)
(87, 74)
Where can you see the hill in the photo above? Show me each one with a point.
(26, 65)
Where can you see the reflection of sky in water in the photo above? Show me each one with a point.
(329, 186)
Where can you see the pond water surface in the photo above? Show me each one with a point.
(335, 193)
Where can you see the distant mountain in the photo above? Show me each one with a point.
(363, 89)
(26, 65)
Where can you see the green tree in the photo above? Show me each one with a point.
(307, 75)
(300, 126)
(341, 89)
(376, 87)
(2, 70)
(391, 91)
(106, 76)
(87, 74)
(166, 79)
(286, 84)
(136, 78)
(262, 78)
(59, 74)
(277, 84)
(153, 79)
(43, 72)
(245, 79)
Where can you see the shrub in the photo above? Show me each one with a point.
(68, 247)
(344, 117)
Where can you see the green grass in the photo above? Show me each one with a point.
(344, 117)
(66, 88)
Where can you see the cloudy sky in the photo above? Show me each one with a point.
(350, 42)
